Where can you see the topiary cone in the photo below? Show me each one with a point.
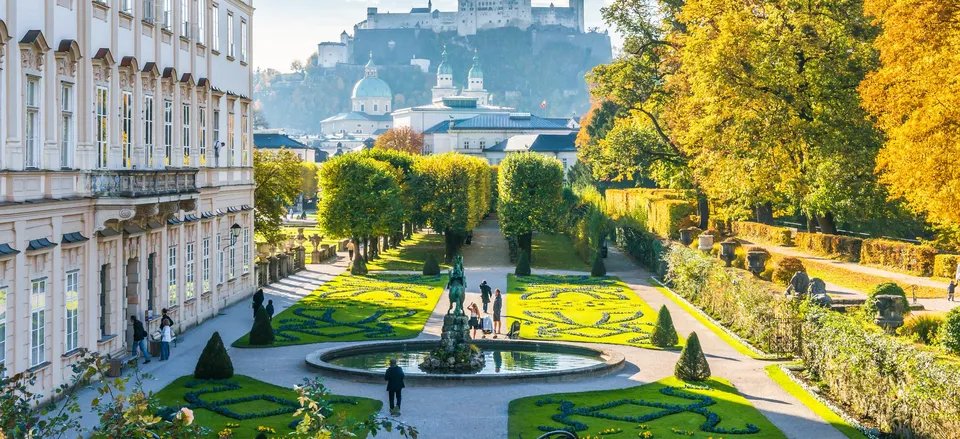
(359, 266)
(599, 269)
(262, 332)
(431, 267)
(214, 362)
(692, 365)
(664, 334)
(523, 265)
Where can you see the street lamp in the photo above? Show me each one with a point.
(235, 231)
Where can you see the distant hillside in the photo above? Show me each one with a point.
(521, 69)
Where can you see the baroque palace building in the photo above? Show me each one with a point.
(126, 174)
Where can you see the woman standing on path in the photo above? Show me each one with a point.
(474, 319)
(166, 336)
(394, 378)
(497, 307)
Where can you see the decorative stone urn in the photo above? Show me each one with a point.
(757, 260)
(890, 311)
(315, 256)
(705, 243)
(686, 235)
(728, 250)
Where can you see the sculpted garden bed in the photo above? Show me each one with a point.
(247, 406)
(352, 308)
(580, 308)
(668, 408)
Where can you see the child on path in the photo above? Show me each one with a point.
(166, 336)
(394, 378)
(270, 309)
(497, 308)
(951, 289)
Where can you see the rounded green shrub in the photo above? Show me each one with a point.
(359, 266)
(599, 269)
(431, 267)
(523, 265)
(786, 268)
(950, 332)
(664, 334)
(214, 362)
(883, 289)
(262, 332)
(692, 365)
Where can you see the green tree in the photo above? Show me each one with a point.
(359, 198)
(277, 180)
(530, 190)
(308, 180)
(452, 194)
(523, 264)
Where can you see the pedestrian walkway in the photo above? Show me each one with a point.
(938, 304)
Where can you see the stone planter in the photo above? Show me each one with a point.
(705, 243)
(687, 235)
(757, 261)
(728, 251)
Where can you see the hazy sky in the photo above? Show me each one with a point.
(285, 30)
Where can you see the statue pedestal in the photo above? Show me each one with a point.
(455, 353)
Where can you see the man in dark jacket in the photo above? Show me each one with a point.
(485, 295)
(139, 338)
(270, 309)
(165, 318)
(394, 378)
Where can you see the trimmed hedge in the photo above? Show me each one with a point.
(785, 269)
(908, 258)
(663, 211)
(844, 248)
(584, 221)
(945, 266)
(905, 390)
(644, 247)
(692, 365)
(950, 332)
(762, 233)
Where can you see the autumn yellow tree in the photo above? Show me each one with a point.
(403, 139)
(915, 97)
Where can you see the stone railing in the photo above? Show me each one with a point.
(141, 183)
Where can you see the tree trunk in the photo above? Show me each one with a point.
(812, 223)
(765, 213)
(451, 241)
(703, 209)
(366, 246)
(525, 242)
(827, 225)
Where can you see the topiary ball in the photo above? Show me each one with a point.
(786, 268)
(692, 365)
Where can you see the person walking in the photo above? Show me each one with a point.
(139, 339)
(497, 309)
(394, 378)
(474, 319)
(485, 295)
(165, 318)
(166, 336)
(270, 309)
(351, 249)
(951, 289)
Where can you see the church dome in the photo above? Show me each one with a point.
(372, 87)
(476, 72)
(444, 68)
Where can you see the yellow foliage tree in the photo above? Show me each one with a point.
(404, 139)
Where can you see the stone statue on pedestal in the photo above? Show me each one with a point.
(455, 353)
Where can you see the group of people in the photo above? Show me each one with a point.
(486, 325)
(165, 335)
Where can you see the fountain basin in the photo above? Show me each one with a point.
(527, 361)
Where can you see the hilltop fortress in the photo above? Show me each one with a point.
(473, 15)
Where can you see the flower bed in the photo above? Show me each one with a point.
(662, 409)
(349, 308)
(244, 405)
(580, 308)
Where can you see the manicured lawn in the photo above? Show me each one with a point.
(579, 308)
(712, 409)
(175, 395)
(778, 375)
(555, 252)
(351, 308)
(411, 254)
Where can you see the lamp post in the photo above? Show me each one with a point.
(234, 234)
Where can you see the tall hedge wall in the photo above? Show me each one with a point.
(645, 247)
(844, 248)
(762, 233)
(584, 220)
(914, 259)
(664, 211)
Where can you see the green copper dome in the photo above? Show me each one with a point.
(476, 72)
(445, 68)
(372, 87)
(370, 63)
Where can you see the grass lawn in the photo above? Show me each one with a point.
(579, 308)
(778, 375)
(174, 395)
(351, 308)
(411, 254)
(555, 252)
(632, 411)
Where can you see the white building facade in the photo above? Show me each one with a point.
(126, 172)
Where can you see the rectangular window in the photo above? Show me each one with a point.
(126, 128)
(149, 13)
(172, 276)
(103, 125)
(185, 18)
(466, 144)
(221, 273)
(243, 41)
(38, 304)
(246, 250)
(31, 151)
(215, 24)
(126, 6)
(167, 15)
(205, 265)
(216, 136)
(201, 21)
(231, 44)
(244, 138)
(232, 263)
(483, 143)
(148, 131)
(3, 325)
(167, 130)
(230, 146)
(189, 273)
(202, 133)
(73, 311)
(66, 125)
(185, 123)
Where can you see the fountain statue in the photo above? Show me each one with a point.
(455, 353)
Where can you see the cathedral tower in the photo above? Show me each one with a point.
(444, 85)
(475, 83)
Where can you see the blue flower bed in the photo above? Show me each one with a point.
(221, 407)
